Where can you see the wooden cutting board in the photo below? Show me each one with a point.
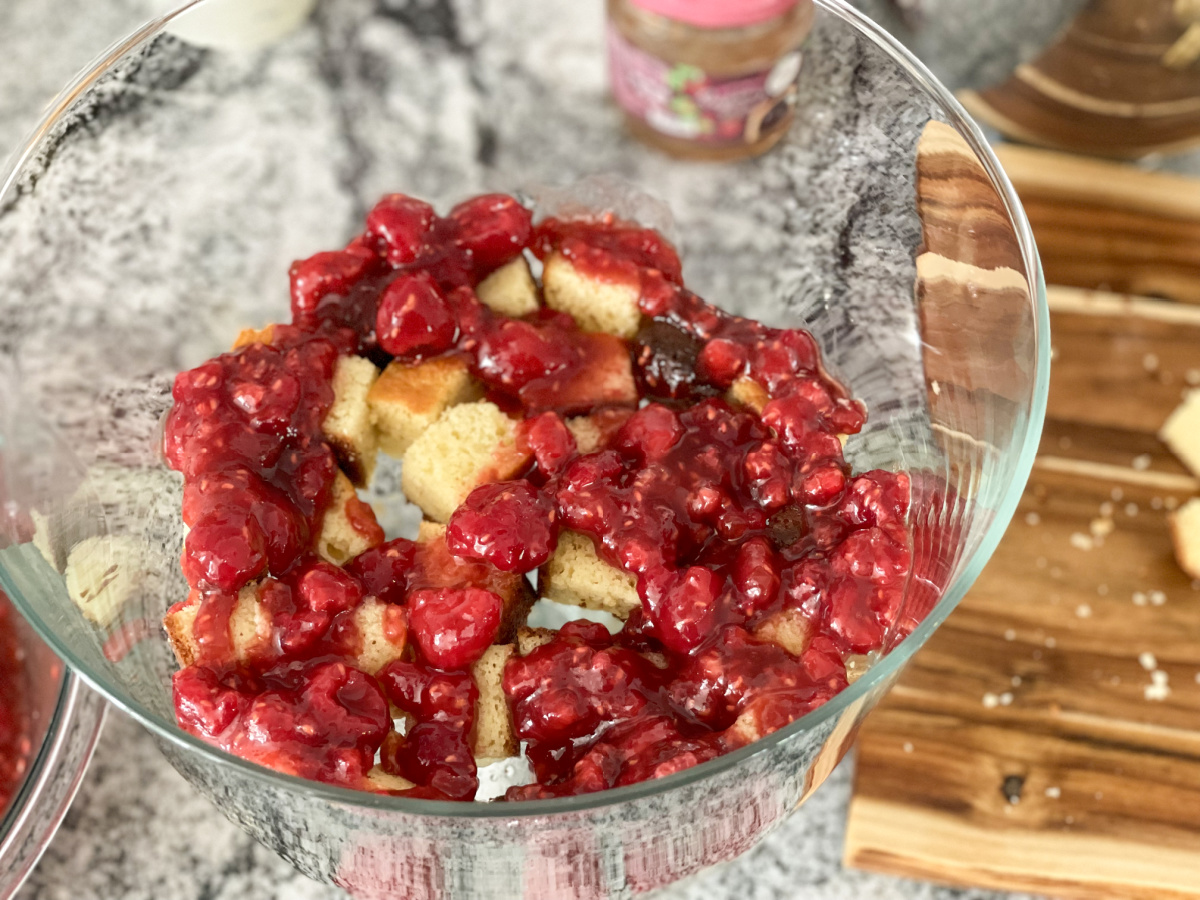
(1119, 80)
(1031, 746)
(1105, 225)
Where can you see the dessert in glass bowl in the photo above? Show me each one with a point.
(604, 439)
(151, 217)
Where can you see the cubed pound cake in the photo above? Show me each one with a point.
(746, 729)
(102, 573)
(857, 665)
(605, 380)
(431, 531)
(1181, 432)
(382, 782)
(249, 627)
(595, 432)
(1185, 535)
(348, 527)
(597, 305)
(469, 445)
(43, 539)
(510, 290)
(380, 638)
(788, 628)
(408, 398)
(378, 642)
(529, 639)
(348, 426)
(749, 393)
(587, 434)
(576, 575)
(494, 736)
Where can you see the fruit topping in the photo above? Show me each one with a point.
(642, 451)
(397, 227)
(452, 627)
(509, 524)
(413, 319)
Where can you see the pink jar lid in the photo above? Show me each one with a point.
(717, 13)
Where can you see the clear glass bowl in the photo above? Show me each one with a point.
(155, 211)
(64, 722)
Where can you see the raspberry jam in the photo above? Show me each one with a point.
(717, 481)
(321, 720)
(609, 249)
(14, 723)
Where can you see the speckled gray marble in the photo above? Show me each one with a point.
(138, 830)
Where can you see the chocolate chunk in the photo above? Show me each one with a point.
(786, 527)
(664, 358)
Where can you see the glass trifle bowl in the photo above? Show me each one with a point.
(156, 210)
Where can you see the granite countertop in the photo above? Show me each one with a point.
(137, 830)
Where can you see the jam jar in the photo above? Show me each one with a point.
(707, 79)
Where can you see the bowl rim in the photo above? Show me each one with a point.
(28, 822)
(882, 671)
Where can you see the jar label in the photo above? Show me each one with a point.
(683, 101)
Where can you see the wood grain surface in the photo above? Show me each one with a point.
(1121, 80)
(1108, 226)
(1048, 737)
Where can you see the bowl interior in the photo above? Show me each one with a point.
(156, 211)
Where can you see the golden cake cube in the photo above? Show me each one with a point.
(470, 444)
(408, 398)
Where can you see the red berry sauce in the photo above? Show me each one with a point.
(610, 250)
(510, 524)
(322, 720)
(729, 519)
(14, 716)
